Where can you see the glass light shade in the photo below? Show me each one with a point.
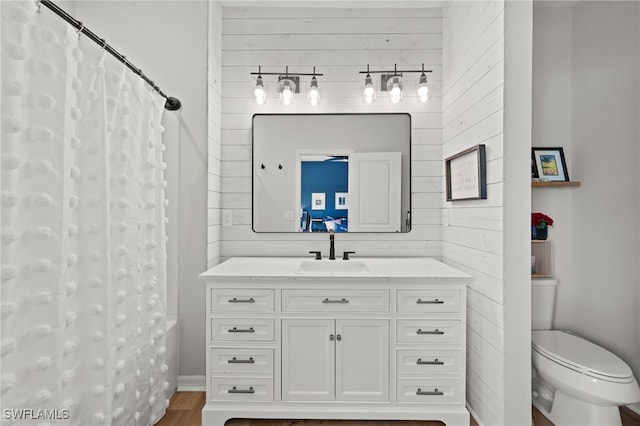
(423, 89)
(313, 93)
(394, 86)
(368, 90)
(259, 92)
(286, 88)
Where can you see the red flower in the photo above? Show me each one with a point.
(540, 220)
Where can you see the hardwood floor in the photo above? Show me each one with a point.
(185, 409)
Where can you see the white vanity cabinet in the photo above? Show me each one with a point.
(385, 344)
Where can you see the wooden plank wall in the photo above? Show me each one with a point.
(214, 134)
(339, 42)
(473, 113)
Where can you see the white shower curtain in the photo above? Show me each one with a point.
(83, 230)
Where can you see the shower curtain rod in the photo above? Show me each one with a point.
(171, 103)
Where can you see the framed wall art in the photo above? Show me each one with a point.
(549, 164)
(318, 200)
(466, 175)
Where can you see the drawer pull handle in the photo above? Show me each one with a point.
(433, 392)
(327, 300)
(430, 302)
(436, 331)
(242, 330)
(236, 390)
(434, 362)
(236, 300)
(234, 360)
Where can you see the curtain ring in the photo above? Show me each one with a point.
(80, 29)
(104, 44)
(38, 5)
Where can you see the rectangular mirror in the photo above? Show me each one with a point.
(331, 172)
(339, 172)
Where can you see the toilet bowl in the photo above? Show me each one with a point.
(577, 382)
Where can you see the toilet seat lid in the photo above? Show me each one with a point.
(580, 354)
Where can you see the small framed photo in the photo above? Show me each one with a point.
(341, 201)
(466, 175)
(317, 201)
(549, 164)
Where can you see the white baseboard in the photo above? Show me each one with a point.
(634, 407)
(192, 384)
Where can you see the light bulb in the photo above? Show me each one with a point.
(287, 95)
(368, 90)
(313, 94)
(394, 86)
(423, 89)
(395, 94)
(287, 88)
(260, 95)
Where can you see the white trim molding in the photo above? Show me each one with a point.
(192, 384)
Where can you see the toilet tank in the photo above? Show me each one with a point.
(543, 296)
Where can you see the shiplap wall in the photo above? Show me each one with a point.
(472, 113)
(214, 134)
(339, 42)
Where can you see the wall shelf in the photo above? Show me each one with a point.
(541, 184)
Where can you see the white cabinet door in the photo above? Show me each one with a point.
(375, 180)
(325, 359)
(362, 360)
(308, 359)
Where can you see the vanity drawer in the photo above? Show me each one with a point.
(225, 388)
(428, 331)
(417, 362)
(242, 329)
(233, 360)
(241, 300)
(426, 301)
(335, 301)
(433, 391)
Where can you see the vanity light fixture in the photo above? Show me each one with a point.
(288, 85)
(394, 85)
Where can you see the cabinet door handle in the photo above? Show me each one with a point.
(338, 337)
(331, 337)
(434, 362)
(234, 360)
(436, 331)
(327, 300)
(433, 392)
(435, 301)
(242, 330)
(236, 300)
(236, 390)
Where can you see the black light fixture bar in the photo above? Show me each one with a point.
(394, 71)
(287, 73)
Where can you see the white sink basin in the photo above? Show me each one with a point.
(331, 267)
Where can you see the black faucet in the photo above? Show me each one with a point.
(332, 247)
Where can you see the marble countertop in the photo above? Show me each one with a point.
(356, 268)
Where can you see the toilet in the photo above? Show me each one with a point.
(574, 381)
